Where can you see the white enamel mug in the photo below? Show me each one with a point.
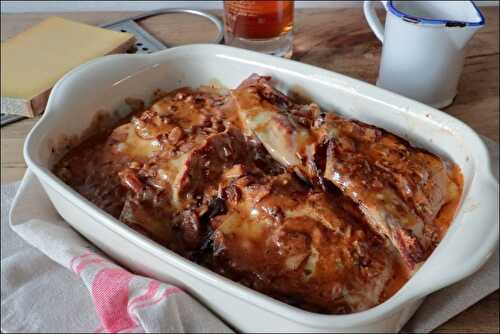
(423, 46)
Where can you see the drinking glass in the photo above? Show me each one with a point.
(264, 26)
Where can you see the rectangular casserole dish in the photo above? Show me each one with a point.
(104, 83)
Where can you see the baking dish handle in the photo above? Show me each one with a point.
(104, 74)
(472, 242)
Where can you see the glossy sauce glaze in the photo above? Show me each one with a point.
(190, 173)
(400, 189)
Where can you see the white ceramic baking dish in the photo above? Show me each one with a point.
(104, 83)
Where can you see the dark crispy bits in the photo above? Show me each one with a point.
(129, 179)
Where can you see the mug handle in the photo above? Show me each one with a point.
(373, 21)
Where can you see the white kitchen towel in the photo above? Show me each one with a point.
(40, 294)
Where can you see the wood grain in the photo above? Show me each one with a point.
(335, 39)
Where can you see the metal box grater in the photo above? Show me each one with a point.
(145, 42)
(7, 119)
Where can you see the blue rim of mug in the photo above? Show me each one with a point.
(448, 23)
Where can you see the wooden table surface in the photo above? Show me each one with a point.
(338, 40)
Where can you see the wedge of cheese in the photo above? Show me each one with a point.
(34, 60)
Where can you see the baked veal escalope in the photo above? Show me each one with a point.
(325, 213)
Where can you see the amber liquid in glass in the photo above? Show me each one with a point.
(264, 26)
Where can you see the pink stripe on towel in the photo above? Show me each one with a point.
(79, 257)
(168, 292)
(84, 264)
(110, 291)
(150, 293)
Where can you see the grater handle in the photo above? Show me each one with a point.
(214, 19)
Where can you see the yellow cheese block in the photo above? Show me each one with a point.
(34, 60)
